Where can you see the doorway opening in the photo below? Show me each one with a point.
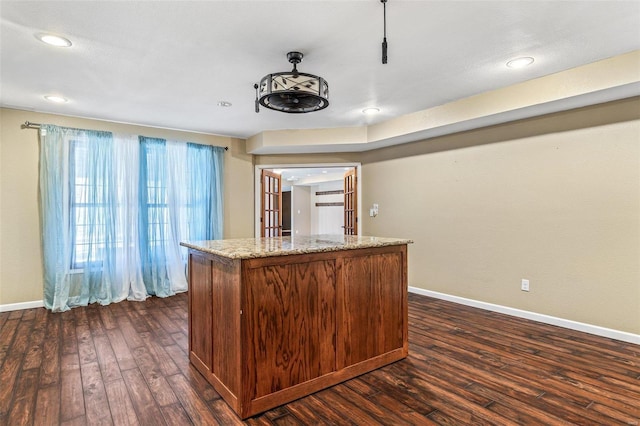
(307, 199)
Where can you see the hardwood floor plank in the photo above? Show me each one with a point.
(86, 348)
(412, 398)
(175, 415)
(7, 332)
(95, 320)
(620, 416)
(4, 316)
(47, 410)
(165, 322)
(135, 319)
(159, 334)
(331, 397)
(443, 399)
(78, 421)
(129, 332)
(69, 339)
(95, 395)
(120, 404)
(71, 391)
(564, 407)
(121, 350)
(28, 315)
(196, 408)
(106, 359)
(8, 378)
(50, 367)
(147, 411)
(22, 410)
(153, 375)
(223, 413)
(107, 318)
(523, 411)
(16, 314)
(33, 355)
(21, 339)
(314, 411)
(159, 356)
(382, 413)
(181, 339)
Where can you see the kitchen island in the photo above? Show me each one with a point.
(275, 319)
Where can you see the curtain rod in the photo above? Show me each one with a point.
(30, 125)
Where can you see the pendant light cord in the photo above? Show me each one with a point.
(384, 38)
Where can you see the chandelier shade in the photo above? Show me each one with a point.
(292, 92)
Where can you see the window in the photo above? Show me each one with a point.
(88, 208)
(153, 192)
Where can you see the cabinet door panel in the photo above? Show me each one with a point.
(200, 318)
(291, 310)
(374, 299)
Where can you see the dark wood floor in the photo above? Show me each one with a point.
(127, 364)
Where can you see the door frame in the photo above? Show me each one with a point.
(257, 188)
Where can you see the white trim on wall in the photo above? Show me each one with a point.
(547, 319)
(22, 305)
(256, 187)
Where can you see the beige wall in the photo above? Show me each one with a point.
(555, 200)
(301, 210)
(20, 254)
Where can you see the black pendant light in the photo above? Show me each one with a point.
(292, 92)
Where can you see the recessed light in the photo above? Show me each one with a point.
(371, 110)
(324, 171)
(56, 99)
(53, 40)
(224, 104)
(522, 62)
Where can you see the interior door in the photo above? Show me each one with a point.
(351, 203)
(271, 196)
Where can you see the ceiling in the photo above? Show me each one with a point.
(306, 176)
(168, 64)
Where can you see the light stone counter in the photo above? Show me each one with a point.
(251, 248)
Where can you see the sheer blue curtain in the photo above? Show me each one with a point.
(204, 164)
(77, 193)
(180, 198)
(162, 204)
(114, 209)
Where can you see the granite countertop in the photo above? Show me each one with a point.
(250, 248)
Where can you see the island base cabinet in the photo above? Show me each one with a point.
(270, 330)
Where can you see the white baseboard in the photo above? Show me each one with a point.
(547, 319)
(22, 305)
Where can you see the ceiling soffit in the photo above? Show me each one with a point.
(603, 81)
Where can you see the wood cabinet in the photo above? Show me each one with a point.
(268, 330)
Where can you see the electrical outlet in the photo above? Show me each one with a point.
(525, 285)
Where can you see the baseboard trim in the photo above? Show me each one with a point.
(547, 319)
(22, 305)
